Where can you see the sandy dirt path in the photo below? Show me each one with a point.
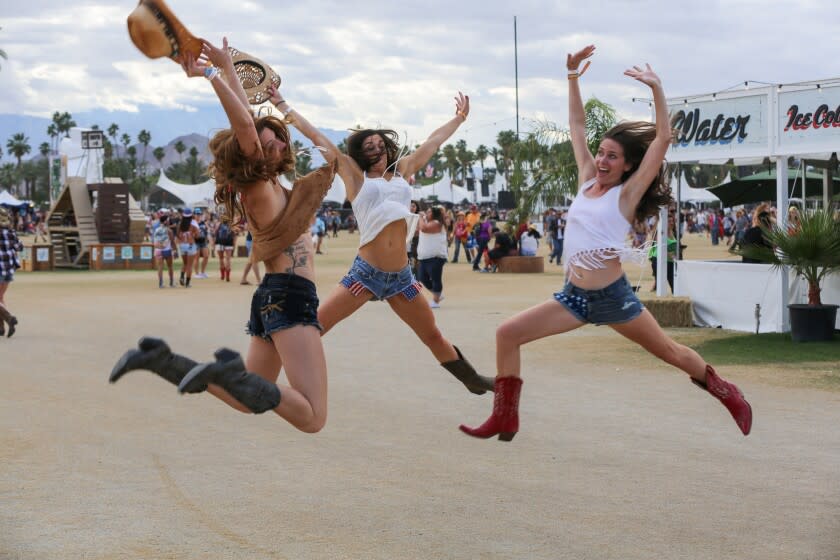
(618, 457)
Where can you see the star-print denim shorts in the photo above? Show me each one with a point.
(617, 303)
(382, 285)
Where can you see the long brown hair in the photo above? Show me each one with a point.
(355, 151)
(635, 137)
(232, 170)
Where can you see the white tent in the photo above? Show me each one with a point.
(337, 192)
(7, 199)
(190, 195)
(688, 194)
(444, 190)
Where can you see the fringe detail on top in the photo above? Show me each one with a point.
(594, 259)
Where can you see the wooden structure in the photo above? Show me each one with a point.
(521, 264)
(122, 256)
(84, 215)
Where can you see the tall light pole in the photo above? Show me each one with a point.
(516, 73)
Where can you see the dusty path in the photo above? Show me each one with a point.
(618, 457)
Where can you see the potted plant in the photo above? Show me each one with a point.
(812, 249)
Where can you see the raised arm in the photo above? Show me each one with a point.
(222, 59)
(347, 168)
(239, 115)
(577, 117)
(409, 165)
(638, 183)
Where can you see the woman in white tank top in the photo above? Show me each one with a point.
(374, 178)
(432, 252)
(623, 183)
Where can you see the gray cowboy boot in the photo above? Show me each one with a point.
(7, 317)
(466, 374)
(153, 354)
(228, 372)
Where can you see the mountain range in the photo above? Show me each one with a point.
(166, 126)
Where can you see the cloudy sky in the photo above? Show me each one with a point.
(399, 63)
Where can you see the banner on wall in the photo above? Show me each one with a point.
(734, 127)
(58, 175)
(809, 120)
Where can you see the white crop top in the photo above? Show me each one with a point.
(596, 231)
(432, 245)
(381, 202)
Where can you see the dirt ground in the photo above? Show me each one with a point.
(618, 457)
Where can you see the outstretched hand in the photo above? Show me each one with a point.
(274, 95)
(217, 56)
(646, 76)
(462, 105)
(573, 60)
(193, 67)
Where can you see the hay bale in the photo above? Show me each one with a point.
(670, 311)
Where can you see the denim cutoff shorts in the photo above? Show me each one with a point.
(617, 303)
(381, 284)
(282, 301)
(187, 249)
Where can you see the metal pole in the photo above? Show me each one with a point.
(662, 252)
(516, 73)
(781, 220)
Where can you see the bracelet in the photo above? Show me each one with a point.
(211, 73)
(287, 111)
(279, 102)
(461, 114)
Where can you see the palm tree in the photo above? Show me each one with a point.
(44, 149)
(159, 153)
(8, 176)
(506, 139)
(63, 123)
(180, 148)
(18, 146)
(450, 154)
(303, 161)
(465, 158)
(52, 131)
(126, 140)
(112, 132)
(481, 154)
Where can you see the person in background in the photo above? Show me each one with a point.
(432, 252)
(201, 244)
(225, 242)
(762, 218)
(483, 233)
(163, 242)
(255, 266)
(460, 232)
(320, 231)
(557, 237)
(9, 263)
(530, 242)
(187, 233)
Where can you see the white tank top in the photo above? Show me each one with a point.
(596, 231)
(381, 202)
(431, 245)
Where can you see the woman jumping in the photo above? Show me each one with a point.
(623, 183)
(248, 161)
(380, 196)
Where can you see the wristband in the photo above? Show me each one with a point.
(461, 114)
(211, 73)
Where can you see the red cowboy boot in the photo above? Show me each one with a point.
(731, 397)
(505, 418)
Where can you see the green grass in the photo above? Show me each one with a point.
(766, 348)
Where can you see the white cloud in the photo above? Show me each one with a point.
(399, 63)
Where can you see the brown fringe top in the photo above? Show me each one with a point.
(301, 204)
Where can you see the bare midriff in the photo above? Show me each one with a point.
(387, 251)
(597, 278)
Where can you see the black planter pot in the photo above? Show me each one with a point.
(812, 323)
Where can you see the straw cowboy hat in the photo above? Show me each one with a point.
(158, 33)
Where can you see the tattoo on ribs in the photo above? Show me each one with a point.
(299, 255)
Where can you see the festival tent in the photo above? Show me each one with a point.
(762, 186)
(187, 195)
(337, 192)
(443, 190)
(689, 194)
(7, 199)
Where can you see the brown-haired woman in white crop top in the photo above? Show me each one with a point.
(623, 183)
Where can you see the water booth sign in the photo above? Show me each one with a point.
(796, 120)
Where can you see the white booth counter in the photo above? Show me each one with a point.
(725, 293)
